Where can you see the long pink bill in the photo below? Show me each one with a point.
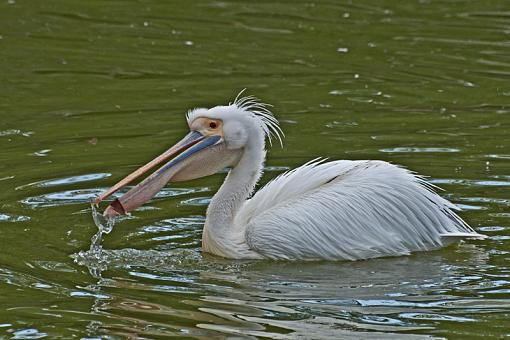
(191, 139)
(144, 191)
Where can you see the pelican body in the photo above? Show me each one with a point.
(338, 210)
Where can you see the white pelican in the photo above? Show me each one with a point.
(339, 210)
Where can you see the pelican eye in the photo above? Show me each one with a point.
(213, 125)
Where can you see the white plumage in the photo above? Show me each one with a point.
(338, 210)
(348, 210)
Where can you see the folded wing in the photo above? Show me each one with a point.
(349, 210)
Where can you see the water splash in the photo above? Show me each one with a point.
(95, 253)
(104, 226)
(98, 260)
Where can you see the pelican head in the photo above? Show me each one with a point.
(217, 139)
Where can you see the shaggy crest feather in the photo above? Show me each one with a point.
(268, 122)
(251, 105)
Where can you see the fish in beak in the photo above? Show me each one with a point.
(196, 155)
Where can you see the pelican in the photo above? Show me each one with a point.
(336, 210)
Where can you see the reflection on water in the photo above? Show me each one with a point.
(92, 91)
(383, 295)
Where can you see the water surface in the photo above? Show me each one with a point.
(92, 90)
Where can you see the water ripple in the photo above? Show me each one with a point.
(80, 196)
(55, 266)
(179, 259)
(435, 317)
(28, 333)
(495, 201)
(13, 218)
(418, 150)
(174, 224)
(66, 180)
(199, 201)
(468, 182)
(13, 132)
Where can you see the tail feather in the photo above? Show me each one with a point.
(454, 237)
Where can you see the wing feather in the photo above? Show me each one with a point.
(348, 210)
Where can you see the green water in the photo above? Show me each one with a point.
(90, 90)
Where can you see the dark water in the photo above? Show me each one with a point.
(91, 90)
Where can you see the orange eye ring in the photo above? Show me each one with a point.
(213, 125)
